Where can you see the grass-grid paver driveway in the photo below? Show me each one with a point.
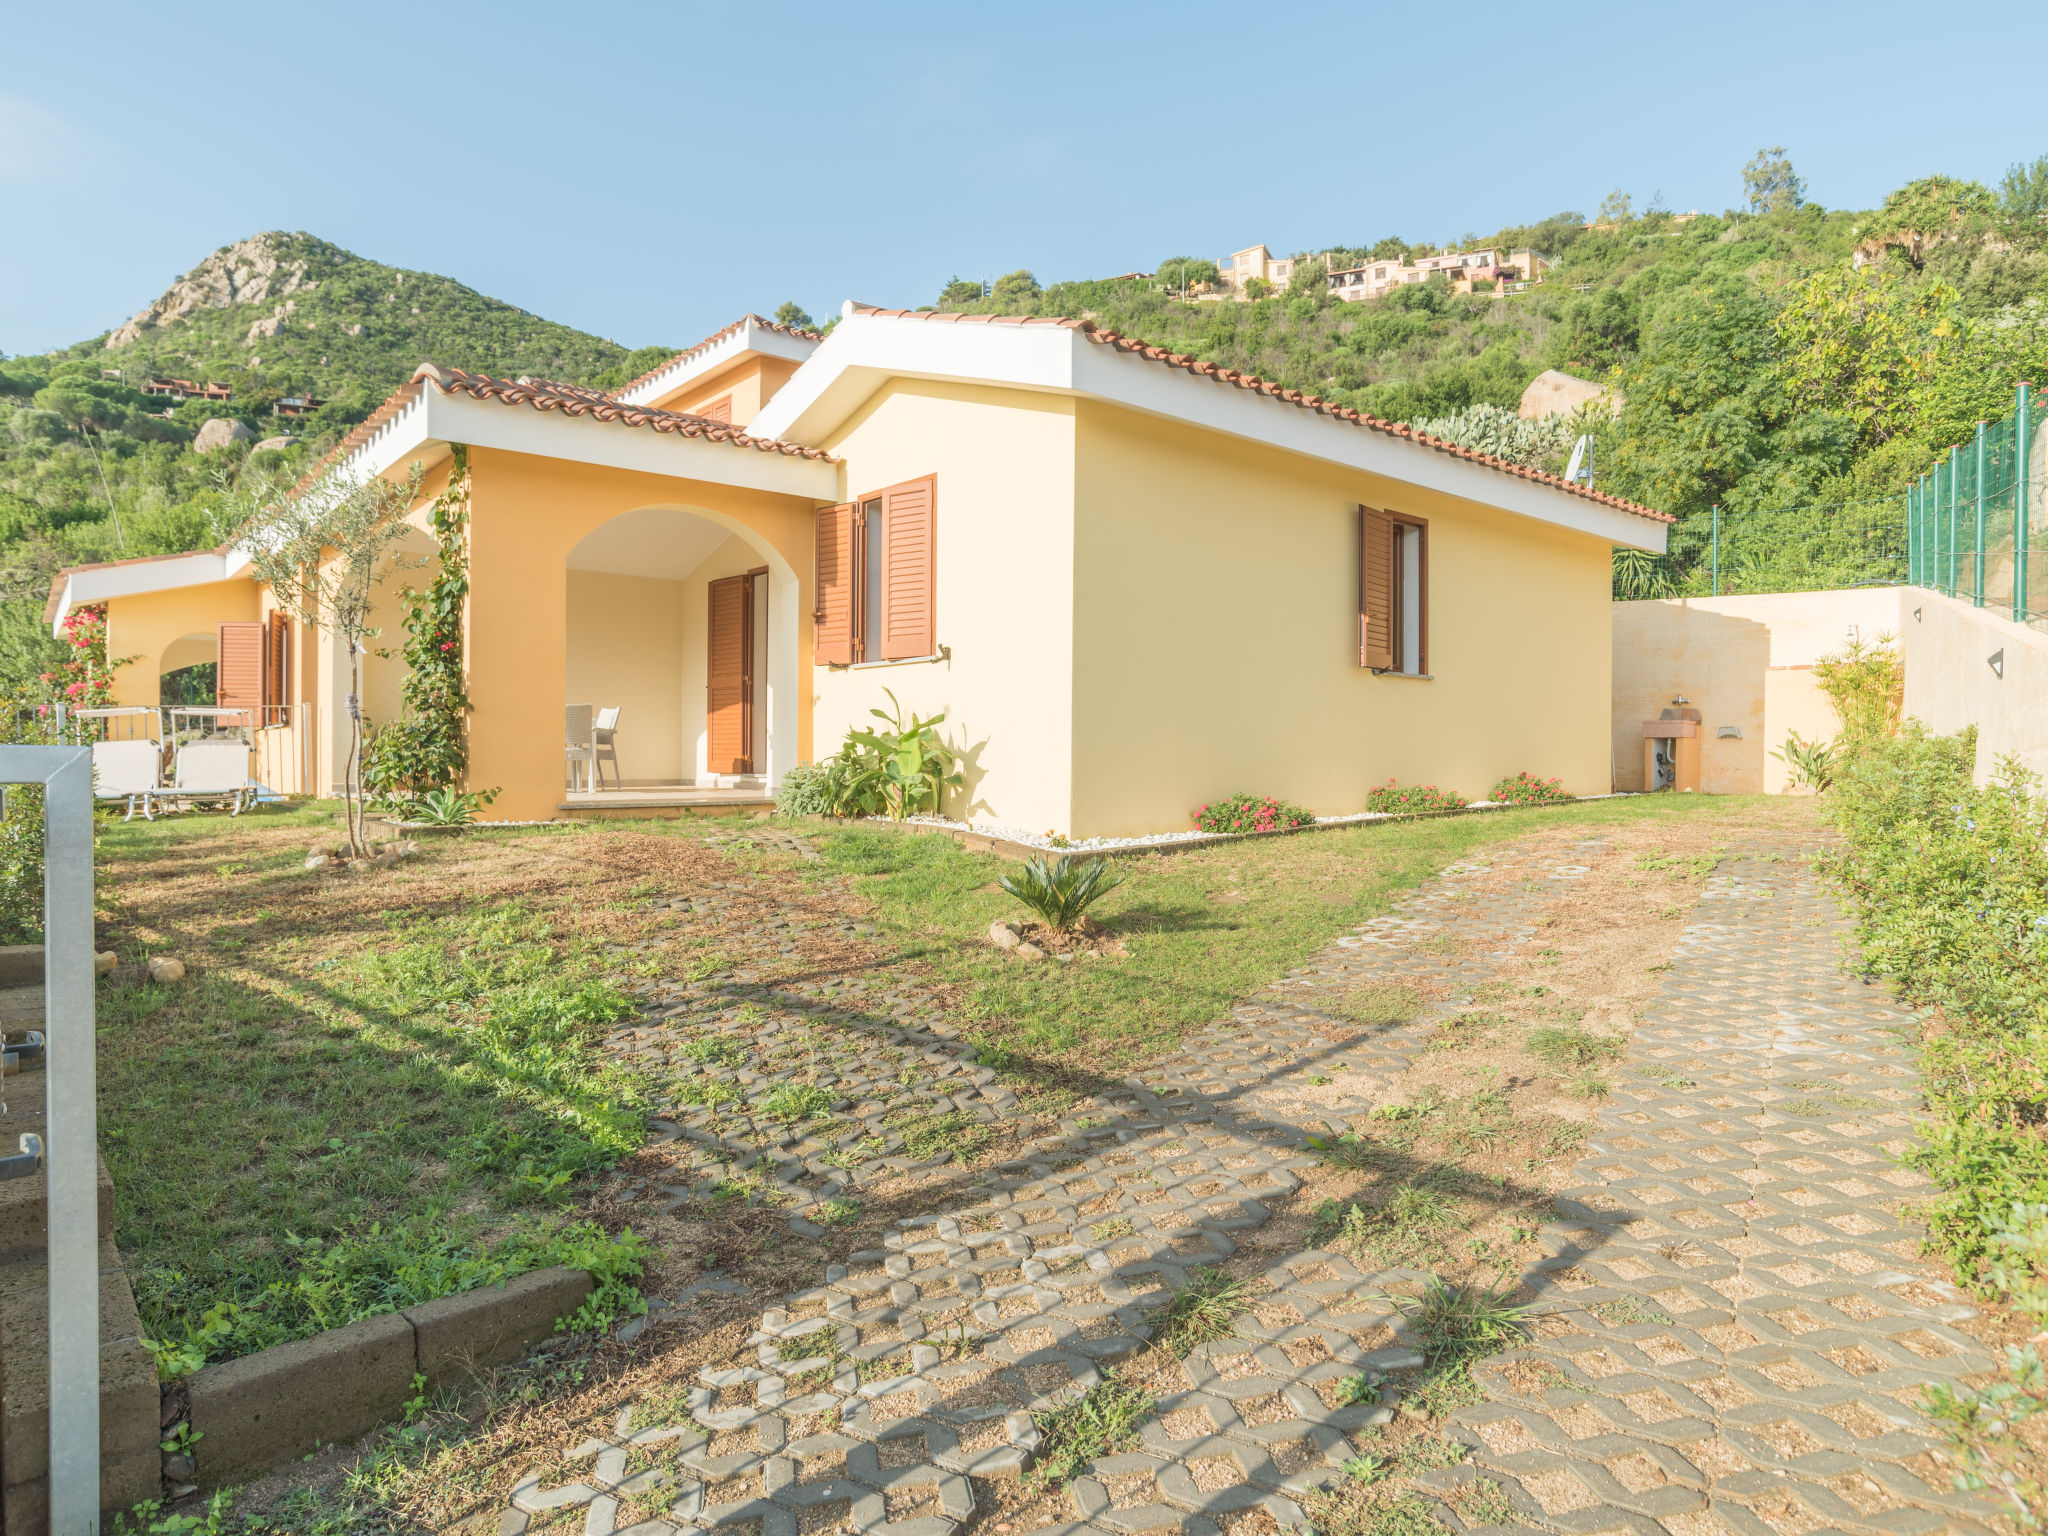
(1729, 1328)
(1736, 1331)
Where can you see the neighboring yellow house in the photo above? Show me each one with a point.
(1133, 582)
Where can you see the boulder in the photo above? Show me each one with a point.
(1030, 951)
(104, 961)
(1554, 393)
(221, 432)
(275, 442)
(163, 969)
(1003, 936)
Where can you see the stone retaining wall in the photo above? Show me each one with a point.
(262, 1410)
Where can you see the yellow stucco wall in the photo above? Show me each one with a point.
(1744, 662)
(1004, 460)
(148, 624)
(526, 514)
(1216, 631)
(626, 649)
(750, 382)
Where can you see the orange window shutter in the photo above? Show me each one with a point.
(1375, 589)
(832, 587)
(238, 677)
(725, 705)
(276, 657)
(909, 569)
(716, 410)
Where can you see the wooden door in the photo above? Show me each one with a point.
(729, 693)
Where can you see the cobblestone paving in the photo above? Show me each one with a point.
(1727, 1342)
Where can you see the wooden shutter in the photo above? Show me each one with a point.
(716, 410)
(276, 656)
(832, 587)
(908, 546)
(1375, 589)
(727, 720)
(238, 679)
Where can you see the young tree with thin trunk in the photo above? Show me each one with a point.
(323, 552)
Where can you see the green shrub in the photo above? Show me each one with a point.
(1949, 883)
(902, 770)
(1525, 788)
(1062, 891)
(1411, 799)
(1251, 813)
(805, 790)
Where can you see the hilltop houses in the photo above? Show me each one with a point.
(1504, 272)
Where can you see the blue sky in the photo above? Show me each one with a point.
(648, 173)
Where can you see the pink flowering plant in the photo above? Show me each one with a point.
(1251, 813)
(1525, 788)
(1395, 799)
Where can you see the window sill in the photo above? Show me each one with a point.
(944, 653)
(1406, 677)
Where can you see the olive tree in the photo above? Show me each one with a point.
(323, 550)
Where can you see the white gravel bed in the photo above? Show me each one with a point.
(1155, 839)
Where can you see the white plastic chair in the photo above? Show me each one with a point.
(127, 770)
(603, 737)
(210, 770)
(578, 745)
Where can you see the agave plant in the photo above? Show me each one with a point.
(1062, 891)
(445, 808)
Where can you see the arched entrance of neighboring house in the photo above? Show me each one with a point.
(186, 670)
(684, 621)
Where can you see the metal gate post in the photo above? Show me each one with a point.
(1717, 549)
(2022, 425)
(71, 1168)
(1977, 565)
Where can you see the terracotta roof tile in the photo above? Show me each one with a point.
(545, 395)
(712, 340)
(1261, 386)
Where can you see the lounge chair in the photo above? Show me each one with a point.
(127, 770)
(216, 770)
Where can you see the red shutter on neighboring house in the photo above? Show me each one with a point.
(1375, 589)
(909, 545)
(832, 595)
(238, 679)
(716, 410)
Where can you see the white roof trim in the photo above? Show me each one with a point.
(866, 350)
(708, 357)
(427, 424)
(96, 584)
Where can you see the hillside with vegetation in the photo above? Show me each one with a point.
(1781, 356)
(94, 468)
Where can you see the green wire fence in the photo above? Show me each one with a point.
(1972, 518)
(1792, 549)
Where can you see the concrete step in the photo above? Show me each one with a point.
(130, 1463)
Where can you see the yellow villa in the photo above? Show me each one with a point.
(1132, 581)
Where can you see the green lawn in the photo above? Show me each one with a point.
(362, 1096)
(1205, 927)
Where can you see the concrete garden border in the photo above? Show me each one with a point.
(1002, 847)
(279, 1404)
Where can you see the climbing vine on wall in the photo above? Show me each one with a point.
(427, 748)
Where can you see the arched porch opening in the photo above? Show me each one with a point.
(684, 621)
(186, 671)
